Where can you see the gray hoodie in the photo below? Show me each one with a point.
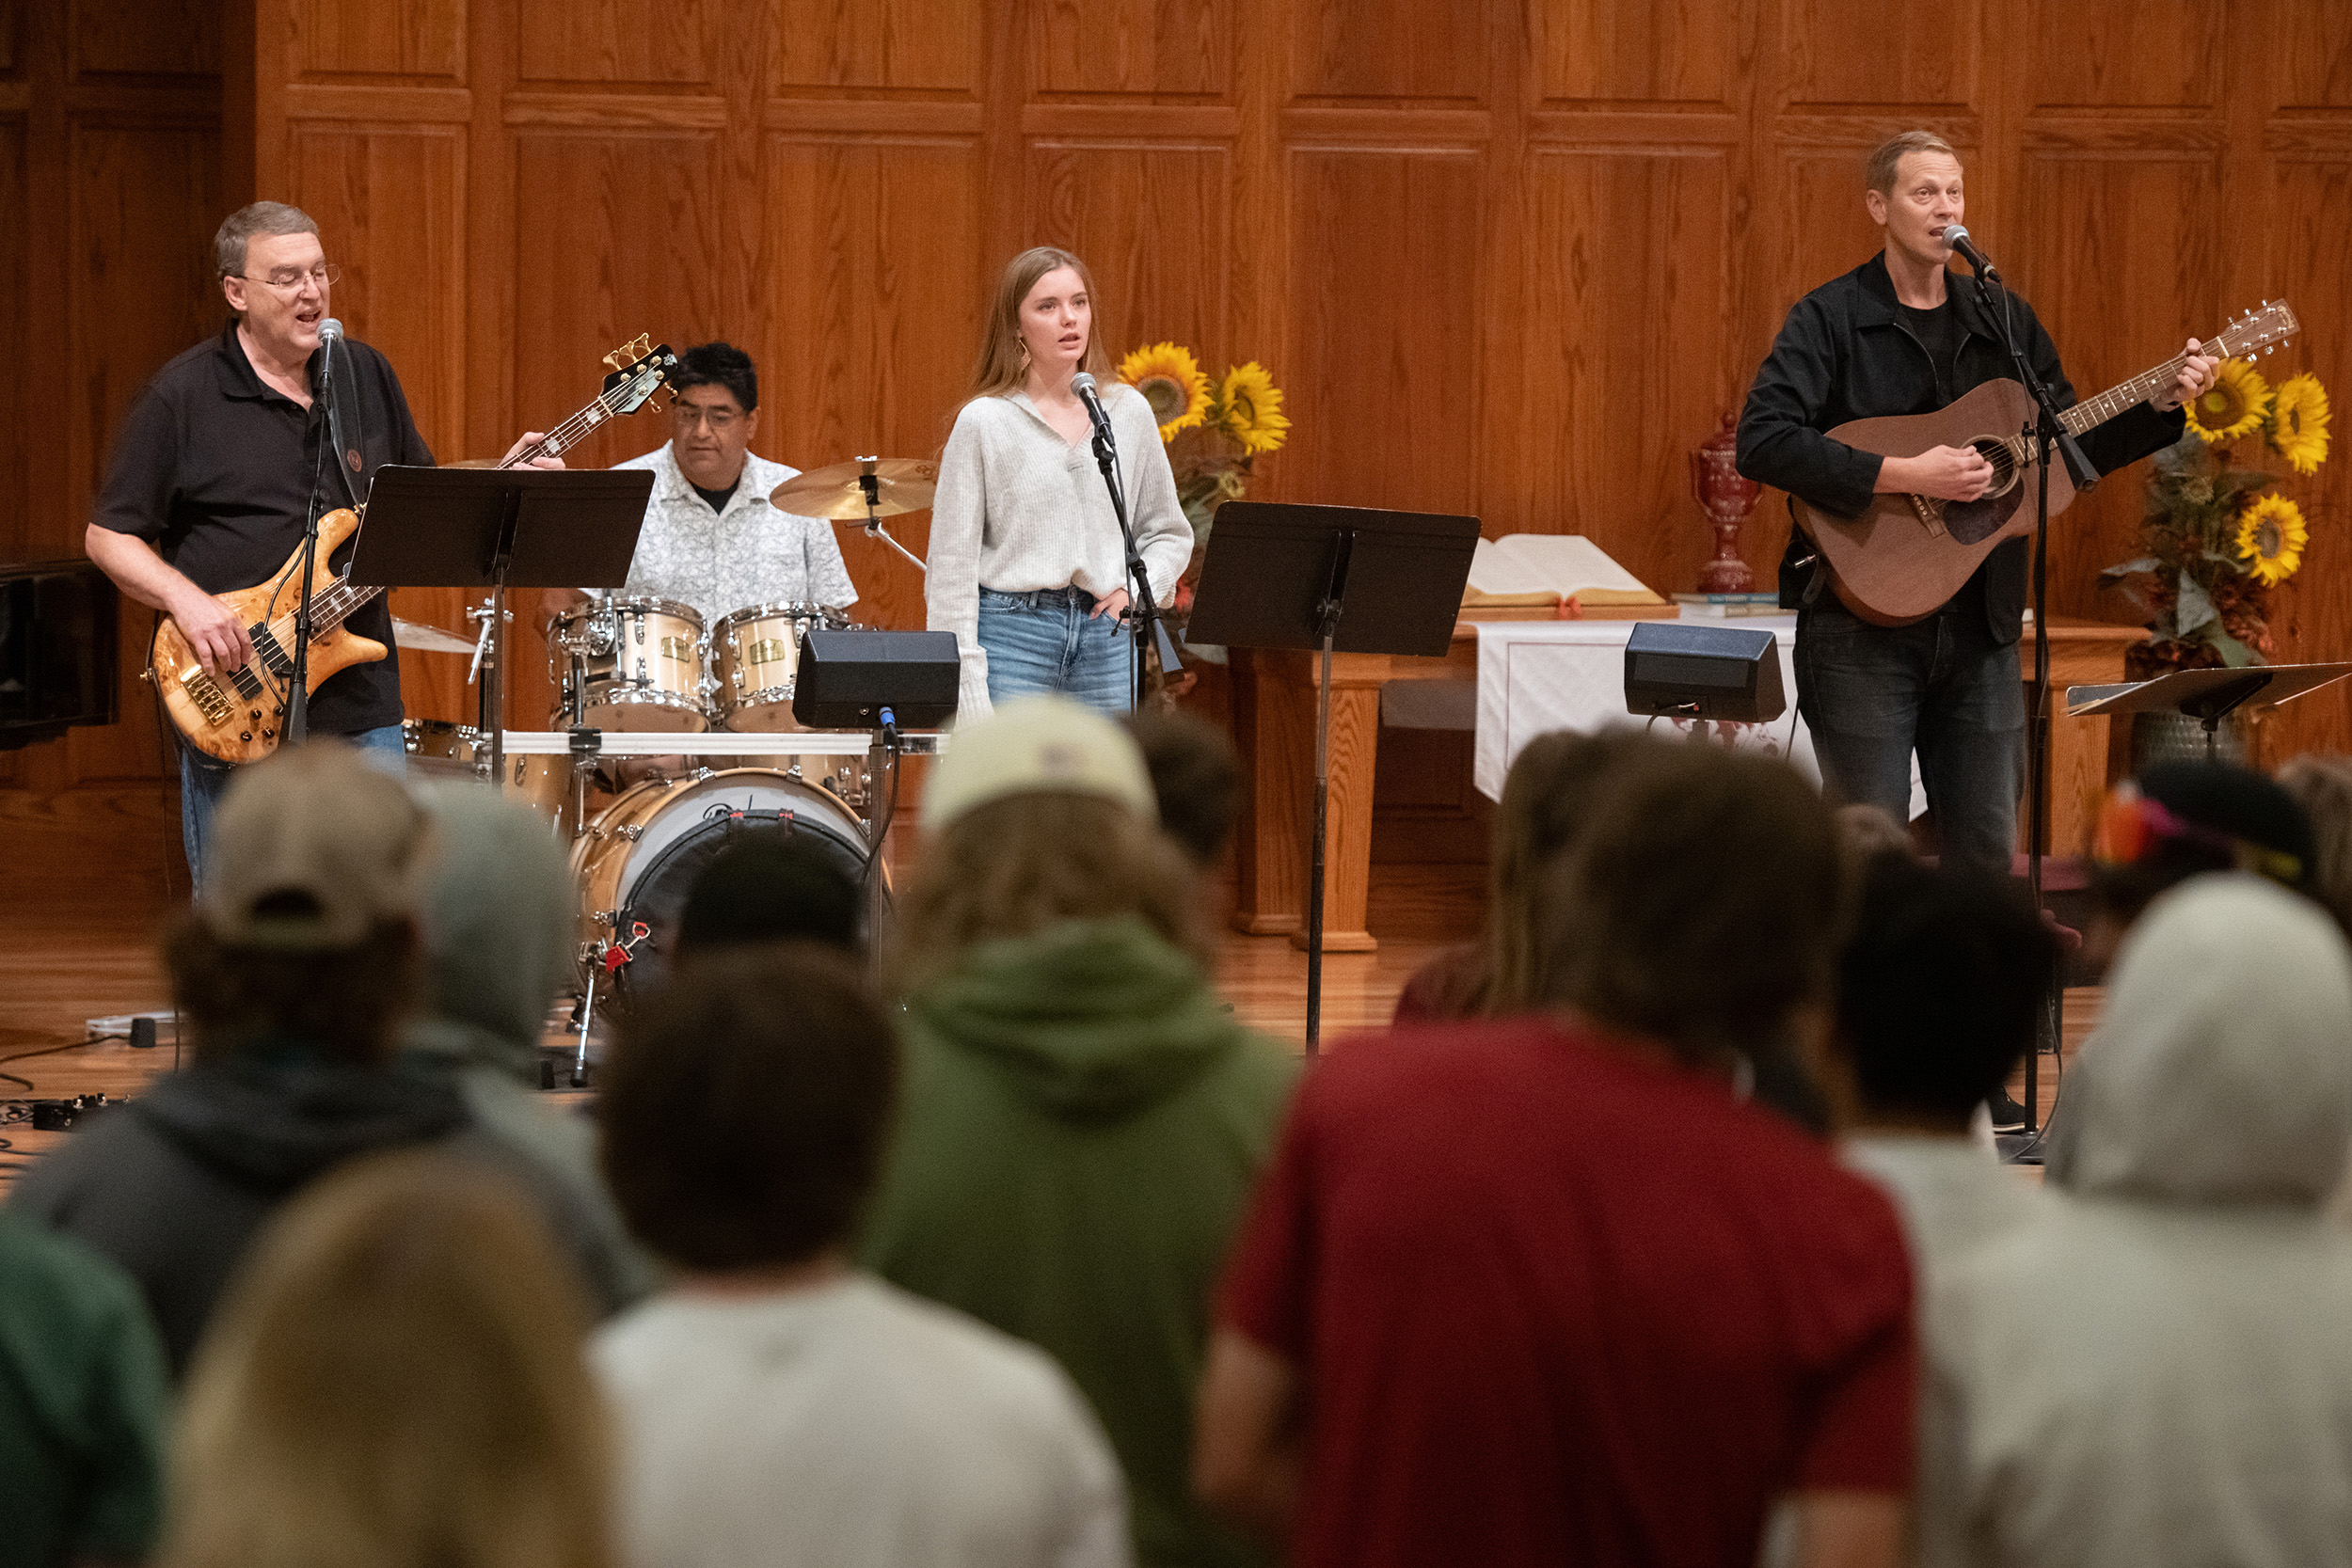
(2157, 1370)
(499, 933)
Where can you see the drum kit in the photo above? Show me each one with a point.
(633, 665)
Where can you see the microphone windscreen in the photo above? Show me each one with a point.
(1082, 382)
(330, 330)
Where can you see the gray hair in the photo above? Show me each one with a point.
(1880, 171)
(240, 227)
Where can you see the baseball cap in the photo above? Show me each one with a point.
(309, 850)
(1035, 744)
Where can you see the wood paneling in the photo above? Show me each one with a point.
(1165, 49)
(1868, 51)
(145, 37)
(2128, 54)
(922, 46)
(1384, 286)
(1396, 50)
(18, 529)
(1626, 314)
(1092, 200)
(616, 42)
(1600, 50)
(419, 40)
(878, 283)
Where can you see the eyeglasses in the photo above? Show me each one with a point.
(690, 415)
(325, 274)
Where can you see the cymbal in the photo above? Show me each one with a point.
(416, 638)
(902, 484)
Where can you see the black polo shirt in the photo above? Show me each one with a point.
(213, 467)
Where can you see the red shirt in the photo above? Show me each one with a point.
(1554, 1303)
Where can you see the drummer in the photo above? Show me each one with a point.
(710, 539)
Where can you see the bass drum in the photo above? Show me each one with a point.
(639, 858)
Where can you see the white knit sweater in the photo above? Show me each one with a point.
(1021, 509)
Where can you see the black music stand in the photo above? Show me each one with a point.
(499, 529)
(2207, 696)
(1342, 579)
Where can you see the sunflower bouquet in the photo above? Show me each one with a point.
(2218, 538)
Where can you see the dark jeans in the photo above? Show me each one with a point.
(1873, 694)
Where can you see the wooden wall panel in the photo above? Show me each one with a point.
(2128, 54)
(2310, 60)
(2106, 231)
(1093, 200)
(1600, 50)
(915, 46)
(653, 202)
(19, 533)
(145, 37)
(1629, 302)
(1166, 49)
(1390, 49)
(877, 282)
(616, 42)
(415, 39)
(1868, 51)
(1384, 283)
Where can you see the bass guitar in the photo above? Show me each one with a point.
(1902, 560)
(240, 716)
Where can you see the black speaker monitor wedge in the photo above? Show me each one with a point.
(1683, 670)
(846, 678)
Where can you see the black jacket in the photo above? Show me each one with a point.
(1844, 353)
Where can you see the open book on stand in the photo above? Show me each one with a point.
(1543, 577)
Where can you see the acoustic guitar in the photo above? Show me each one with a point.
(1902, 560)
(240, 716)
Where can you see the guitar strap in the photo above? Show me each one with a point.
(347, 427)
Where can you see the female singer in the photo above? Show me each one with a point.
(1027, 564)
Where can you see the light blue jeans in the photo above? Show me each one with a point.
(1046, 641)
(202, 780)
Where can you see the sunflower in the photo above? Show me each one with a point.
(2233, 406)
(1172, 382)
(2298, 422)
(2271, 536)
(1252, 408)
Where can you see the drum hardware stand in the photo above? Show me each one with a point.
(870, 482)
(881, 805)
(610, 956)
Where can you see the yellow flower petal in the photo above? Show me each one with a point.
(2271, 536)
(1172, 381)
(2235, 404)
(2298, 422)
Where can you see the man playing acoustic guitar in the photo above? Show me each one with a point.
(210, 487)
(1896, 337)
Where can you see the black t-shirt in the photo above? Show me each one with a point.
(1939, 329)
(718, 498)
(213, 467)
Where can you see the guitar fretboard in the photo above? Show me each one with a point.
(2098, 410)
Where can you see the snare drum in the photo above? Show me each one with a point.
(630, 664)
(635, 863)
(439, 750)
(753, 656)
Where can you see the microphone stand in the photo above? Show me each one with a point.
(2048, 434)
(299, 701)
(1146, 609)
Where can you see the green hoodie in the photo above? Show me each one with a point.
(1082, 1124)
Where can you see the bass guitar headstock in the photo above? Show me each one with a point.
(639, 368)
(2256, 332)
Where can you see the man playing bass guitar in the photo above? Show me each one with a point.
(1896, 337)
(209, 487)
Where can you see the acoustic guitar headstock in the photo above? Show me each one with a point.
(639, 368)
(2256, 332)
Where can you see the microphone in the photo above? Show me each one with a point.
(1958, 239)
(1083, 383)
(330, 331)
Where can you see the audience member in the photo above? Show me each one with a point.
(2158, 1374)
(1546, 797)
(1196, 780)
(2322, 786)
(1544, 1289)
(294, 972)
(395, 1381)
(81, 1398)
(776, 1405)
(1869, 832)
(1084, 1118)
(770, 885)
(1938, 994)
(2177, 820)
(498, 917)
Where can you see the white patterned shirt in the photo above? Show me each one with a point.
(722, 562)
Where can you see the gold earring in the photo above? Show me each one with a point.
(1024, 351)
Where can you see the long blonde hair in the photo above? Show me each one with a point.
(396, 1381)
(1018, 864)
(1002, 367)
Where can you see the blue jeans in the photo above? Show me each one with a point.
(1045, 641)
(202, 780)
(1873, 694)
